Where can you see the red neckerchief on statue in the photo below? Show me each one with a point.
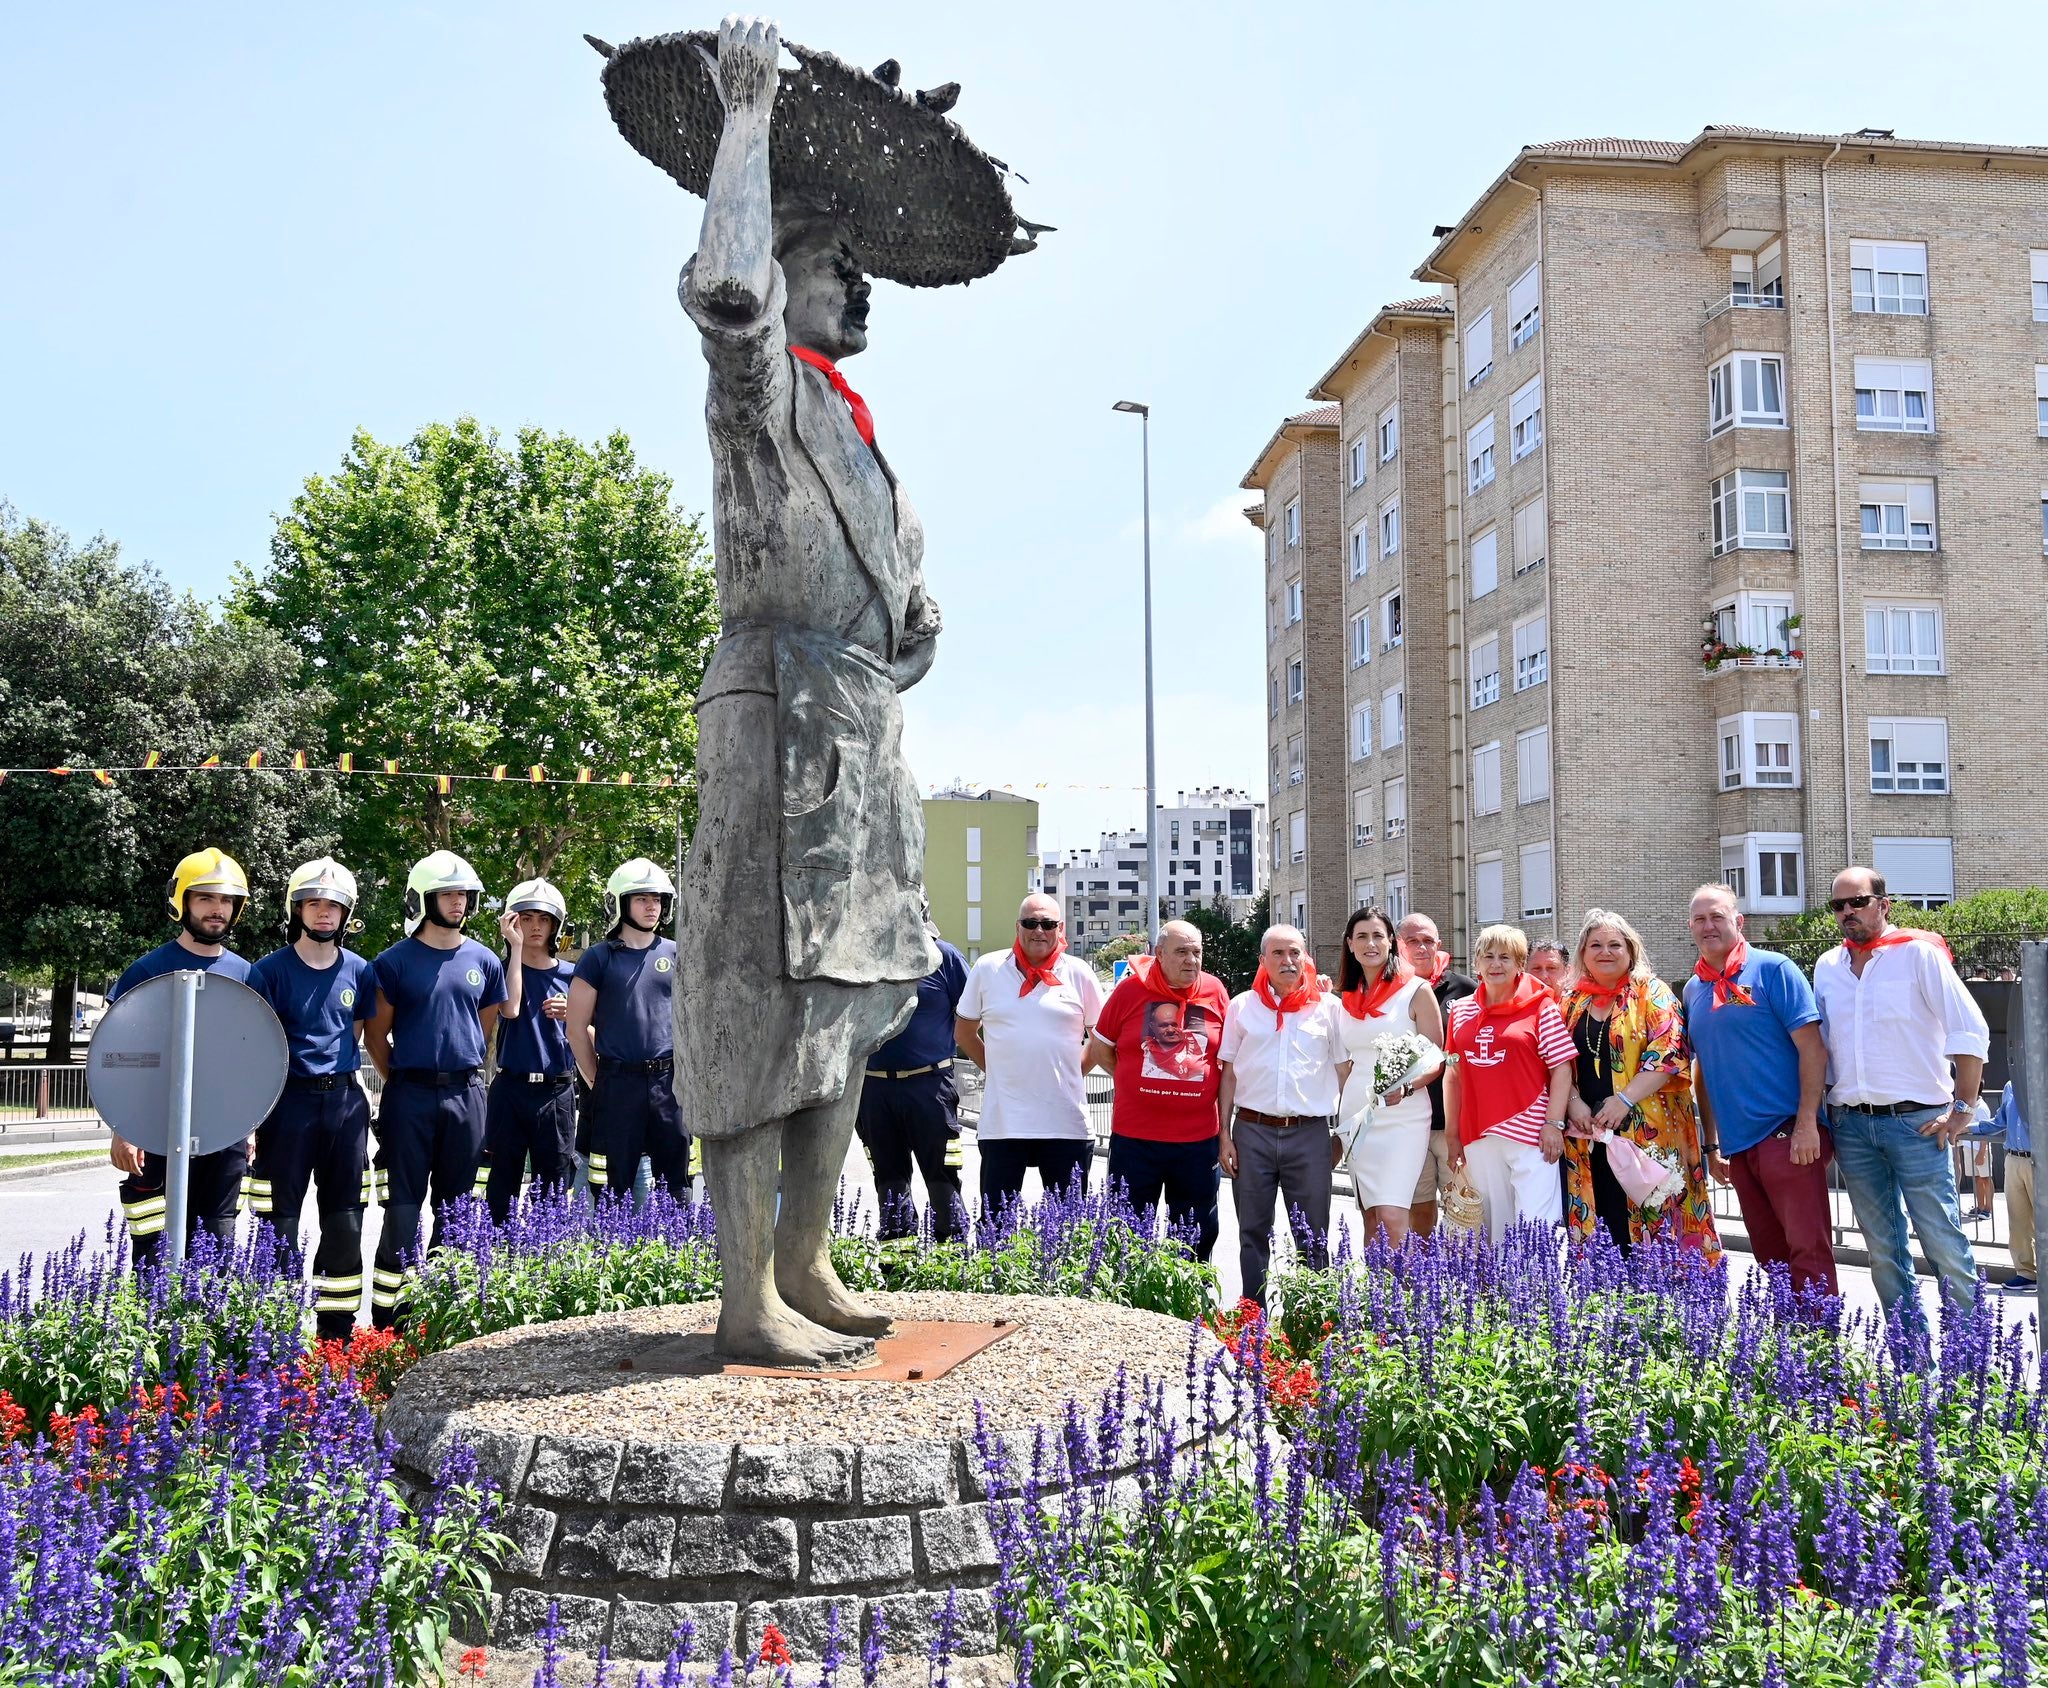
(1902, 935)
(1368, 1002)
(1310, 990)
(1048, 975)
(1726, 990)
(863, 418)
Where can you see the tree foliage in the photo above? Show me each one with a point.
(1230, 948)
(1985, 929)
(467, 603)
(101, 663)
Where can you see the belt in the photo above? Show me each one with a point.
(1283, 1122)
(433, 1080)
(660, 1064)
(1889, 1110)
(945, 1066)
(318, 1081)
(534, 1078)
(2019, 1154)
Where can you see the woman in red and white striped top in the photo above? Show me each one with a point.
(1505, 1094)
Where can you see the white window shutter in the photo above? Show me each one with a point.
(1478, 344)
(1524, 293)
(1485, 562)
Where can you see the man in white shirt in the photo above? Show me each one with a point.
(1895, 1016)
(1024, 1019)
(1284, 1067)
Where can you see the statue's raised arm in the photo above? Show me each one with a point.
(735, 258)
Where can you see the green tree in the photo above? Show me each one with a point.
(1104, 960)
(467, 603)
(1230, 948)
(101, 663)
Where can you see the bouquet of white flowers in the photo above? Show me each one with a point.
(1396, 1059)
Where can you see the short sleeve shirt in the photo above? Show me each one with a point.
(1504, 1068)
(174, 957)
(1745, 1050)
(529, 1042)
(1032, 1087)
(633, 1020)
(1286, 1066)
(1167, 1054)
(319, 1007)
(437, 1001)
(928, 1039)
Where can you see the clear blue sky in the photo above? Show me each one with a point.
(231, 235)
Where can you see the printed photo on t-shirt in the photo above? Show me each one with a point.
(1176, 1040)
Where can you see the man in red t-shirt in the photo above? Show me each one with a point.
(1158, 1035)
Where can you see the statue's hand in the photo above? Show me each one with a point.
(746, 71)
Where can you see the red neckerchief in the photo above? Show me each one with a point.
(1310, 990)
(1145, 969)
(1600, 993)
(1048, 975)
(1439, 967)
(1369, 1002)
(1902, 935)
(1726, 990)
(1529, 997)
(863, 418)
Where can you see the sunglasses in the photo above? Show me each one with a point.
(1840, 903)
(1037, 925)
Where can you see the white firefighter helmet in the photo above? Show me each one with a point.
(444, 870)
(537, 896)
(325, 878)
(636, 878)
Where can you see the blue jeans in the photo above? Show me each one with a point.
(1891, 1171)
(1186, 1174)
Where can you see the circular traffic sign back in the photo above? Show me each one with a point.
(239, 1060)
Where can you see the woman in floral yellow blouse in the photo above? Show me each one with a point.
(1631, 1078)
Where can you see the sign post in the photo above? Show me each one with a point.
(178, 1152)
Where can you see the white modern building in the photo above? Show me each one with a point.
(1208, 850)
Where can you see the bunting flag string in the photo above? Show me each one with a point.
(388, 767)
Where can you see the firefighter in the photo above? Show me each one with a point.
(319, 1132)
(531, 1115)
(438, 1000)
(622, 1030)
(207, 893)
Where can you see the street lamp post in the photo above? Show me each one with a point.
(1153, 887)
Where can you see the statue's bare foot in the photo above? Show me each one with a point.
(819, 1296)
(779, 1336)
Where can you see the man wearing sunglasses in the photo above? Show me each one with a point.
(1024, 1019)
(1895, 1017)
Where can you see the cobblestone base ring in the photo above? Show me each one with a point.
(637, 1500)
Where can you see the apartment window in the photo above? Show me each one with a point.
(1899, 515)
(1759, 750)
(1273, 694)
(1295, 764)
(1525, 420)
(1532, 652)
(1895, 395)
(1486, 779)
(1272, 767)
(1489, 897)
(1301, 912)
(1486, 672)
(1888, 277)
(1293, 600)
(1908, 755)
(1297, 836)
(1294, 681)
(974, 884)
(1539, 889)
(1361, 549)
(1479, 454)
(1479, 349)
(1361, 819)
(2039, 263)
(1760, 620)
(2041, 399)
(974, 850)
(1485, 562)
(1758, 278)
(1361, 731)
(1746, 391)
(1394, 805)
(2044, 521)
(1393, 724)
(1532, 536)
(1525, 306)
(1294, 522)
(1902, 639)
(1276, 844)
(1532, 765)
(1766, 870)
(1358, 456)
(1390, 527)
(1920, 871)
(1752, 511)
(1361, 893)
(1397, 898)
(1390, 432)
(974, 926)
(1390, 621)
(1361, 638)
(1273, 546)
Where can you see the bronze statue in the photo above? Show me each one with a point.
(799, 933)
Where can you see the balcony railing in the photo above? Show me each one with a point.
(1759, 659)
(1745, 301)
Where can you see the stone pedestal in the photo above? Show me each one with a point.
(638, 1499)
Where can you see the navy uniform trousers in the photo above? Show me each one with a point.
(319, 1133)
(915, 1117)
(213, 1200)
(530, 1117)
(430, 1142)
(633, 1112)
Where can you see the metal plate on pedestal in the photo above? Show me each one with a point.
(239, 1058)
(916, 1351)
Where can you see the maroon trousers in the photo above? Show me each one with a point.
(1785, 1208)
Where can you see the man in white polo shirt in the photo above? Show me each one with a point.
(1024, 1019)
(1284, 1067)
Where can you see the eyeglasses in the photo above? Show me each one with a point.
(1840, 903)
(1036, 925)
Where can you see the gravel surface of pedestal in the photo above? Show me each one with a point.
(637, 1499)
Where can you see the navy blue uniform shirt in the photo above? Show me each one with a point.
(928, 1039)
(533, 1043)
(634, 988)
(437, 997)
(320, 1007)
(174, 957)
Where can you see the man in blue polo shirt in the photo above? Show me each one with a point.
(1755, 1031)
(319, 1132)
(207, 893)
(910, 1108)
(531, 1115)
(622, 1028)
(438, 1000)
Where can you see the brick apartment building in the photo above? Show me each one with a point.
(1694, 530)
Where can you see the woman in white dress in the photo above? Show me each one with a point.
(1383, 995)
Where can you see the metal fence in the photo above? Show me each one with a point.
(34, 1095)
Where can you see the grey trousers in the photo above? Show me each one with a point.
(1296, 1164)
